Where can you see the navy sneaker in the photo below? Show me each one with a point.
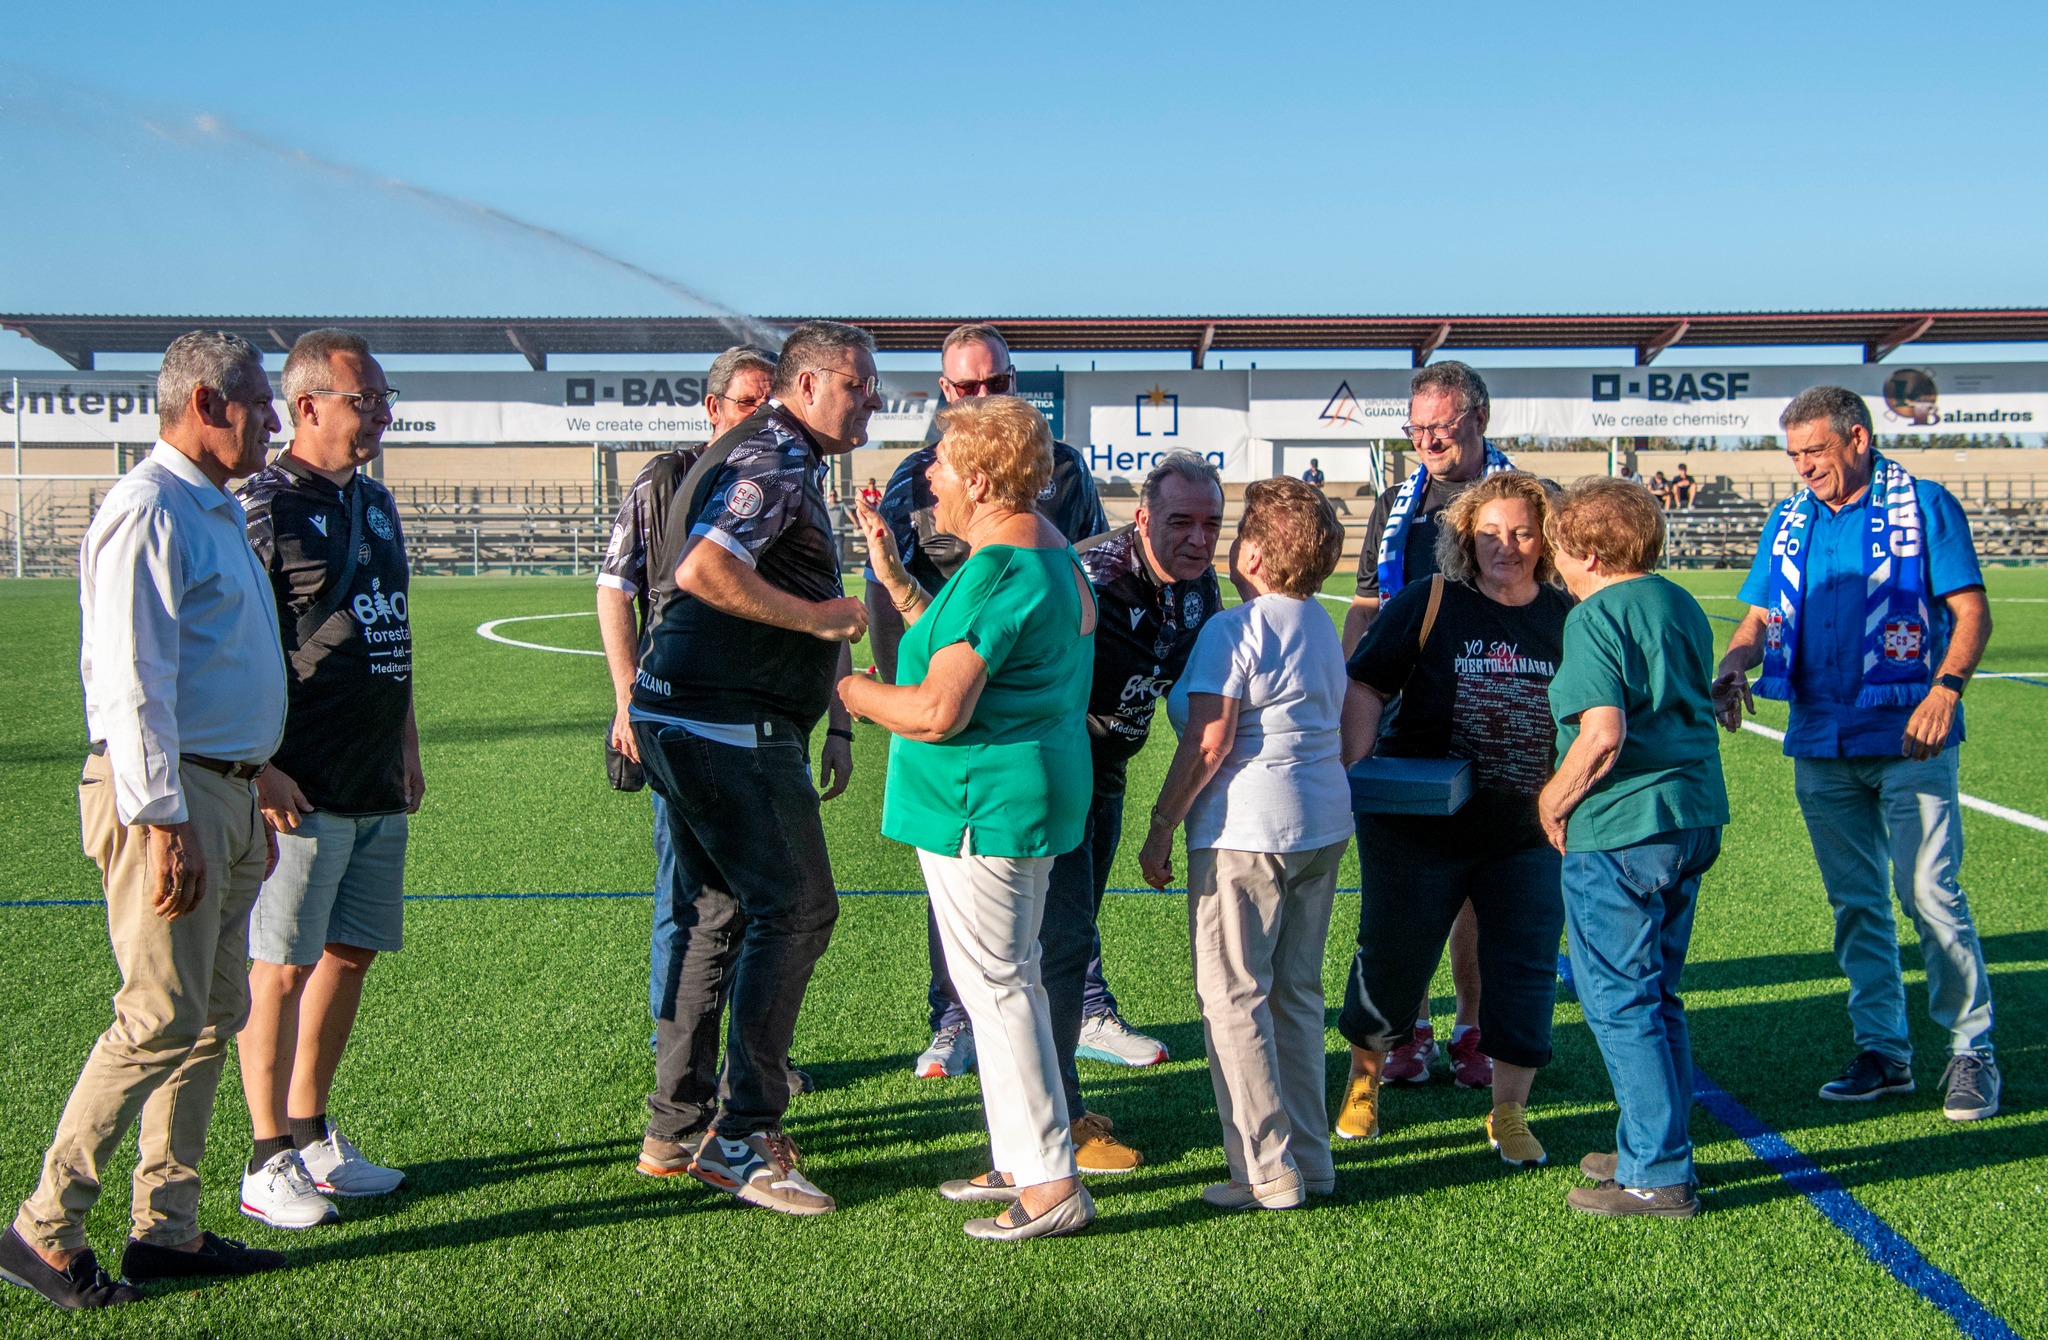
(1870, 1076)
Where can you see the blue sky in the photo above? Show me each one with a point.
(1042, 159)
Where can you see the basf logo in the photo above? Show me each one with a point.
(1678, 388)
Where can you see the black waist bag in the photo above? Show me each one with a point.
(625, 773)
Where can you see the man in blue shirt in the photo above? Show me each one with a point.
(1874, 756)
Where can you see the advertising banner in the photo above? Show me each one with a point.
(452, 408)
(1131, 419)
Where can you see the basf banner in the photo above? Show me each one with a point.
(1735, 400)
(450, 408)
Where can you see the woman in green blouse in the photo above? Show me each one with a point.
(989, 778)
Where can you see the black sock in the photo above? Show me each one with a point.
(307, 1130)
(266, 1150)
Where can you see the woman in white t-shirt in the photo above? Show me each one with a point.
(1260, 784)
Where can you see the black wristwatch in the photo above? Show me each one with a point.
(841, 732)
(1953, 683)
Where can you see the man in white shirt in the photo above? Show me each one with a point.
(184, 703)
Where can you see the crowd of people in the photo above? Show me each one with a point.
(254, 759)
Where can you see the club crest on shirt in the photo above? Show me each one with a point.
(1191, 609)
(746, 499)
(1902, 639)
(380, 525)
(1045, 494)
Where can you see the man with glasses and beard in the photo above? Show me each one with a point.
(736, 672)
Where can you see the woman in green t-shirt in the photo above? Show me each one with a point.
(989, 778)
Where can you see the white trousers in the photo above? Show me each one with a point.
(989, 909)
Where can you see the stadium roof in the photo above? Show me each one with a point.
(77, 339)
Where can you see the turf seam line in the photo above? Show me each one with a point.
(1969, 802)
(1882, 1243)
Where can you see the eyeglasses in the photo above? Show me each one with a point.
(1418, 431)
(999, 384)
(746, 402)
(369, 402)
(866, 385)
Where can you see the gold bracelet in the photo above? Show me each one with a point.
(917, 593)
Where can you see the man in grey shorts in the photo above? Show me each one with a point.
(340, 786)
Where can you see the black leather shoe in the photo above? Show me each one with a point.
(82, 1284)
(144, 1261)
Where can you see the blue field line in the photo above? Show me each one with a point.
(1881, 1242)
(2022, 679)
(528, 897)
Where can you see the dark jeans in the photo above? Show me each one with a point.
(1084, 873)
(1630, 913)
(663, 962)
(754, 910)
(1411, 890)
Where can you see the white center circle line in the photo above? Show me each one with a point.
(490, 630)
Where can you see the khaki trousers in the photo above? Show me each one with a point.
(1258, 923)
(184, 993)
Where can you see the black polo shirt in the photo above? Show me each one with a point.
(1144, 633)
(349, 684)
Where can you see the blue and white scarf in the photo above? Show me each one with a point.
(1393, 558)
(1898, 661)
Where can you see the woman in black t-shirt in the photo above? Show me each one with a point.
(1476, 689)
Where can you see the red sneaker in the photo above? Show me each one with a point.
(1472, 1068)
(1410, 1064)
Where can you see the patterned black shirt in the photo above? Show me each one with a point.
(1143, 635)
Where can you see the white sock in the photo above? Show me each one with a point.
(1458, 1032)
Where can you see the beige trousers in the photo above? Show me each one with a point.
(184, 993)
(1258, 923)
(989, 909)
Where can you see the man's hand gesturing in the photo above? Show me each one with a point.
(841, 620)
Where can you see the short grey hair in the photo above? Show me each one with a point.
(1188, 465)
(814, 344)
(306, 366)
(975, 333)
(211, 358)
(740, 358)
(1453, 378)
(1841, 407)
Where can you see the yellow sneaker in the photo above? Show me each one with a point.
(1360, 1119)
(1507, 1130)
(1096, 1148)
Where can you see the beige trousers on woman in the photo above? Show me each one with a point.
(1258, 923)
(989, 909)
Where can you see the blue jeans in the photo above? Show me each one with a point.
(1075, 899)
(1629, 916)
(1885, 824)
(662, 965)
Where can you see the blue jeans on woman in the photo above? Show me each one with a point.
(1628, 913)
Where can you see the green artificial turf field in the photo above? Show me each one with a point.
(502, 1059)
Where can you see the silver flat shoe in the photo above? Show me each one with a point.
(968, 1189)
(1071, 1215)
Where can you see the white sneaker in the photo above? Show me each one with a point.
(282, 1195)
(339, 1169)
(1105, 1037)
(951, 1053)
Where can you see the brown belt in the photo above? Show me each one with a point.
(234, 772)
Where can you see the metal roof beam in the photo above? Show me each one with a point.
(1208, 338)
(1661, 341)
(536, 357)
(1910, 331)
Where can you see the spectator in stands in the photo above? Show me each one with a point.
(1258, 782)
(1448, 407)
(1637, 806)
(342, 784)
(871, 493)
(1684, 488)
(988, 779)
(736, 672)
(1495, 589)
(635, 582)
(1868, 615)
(184, 703)
(1313, 476)
(1660, 489)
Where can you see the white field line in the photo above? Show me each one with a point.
(2020, 817)
(490, 630)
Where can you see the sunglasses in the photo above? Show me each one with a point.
(999, 384)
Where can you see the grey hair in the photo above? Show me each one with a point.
(814, 344)
(1456, 379)
(1841, 407)
(211, 358)
(977, 332)
(1188, 465)
(306, 366)
(740, 358)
